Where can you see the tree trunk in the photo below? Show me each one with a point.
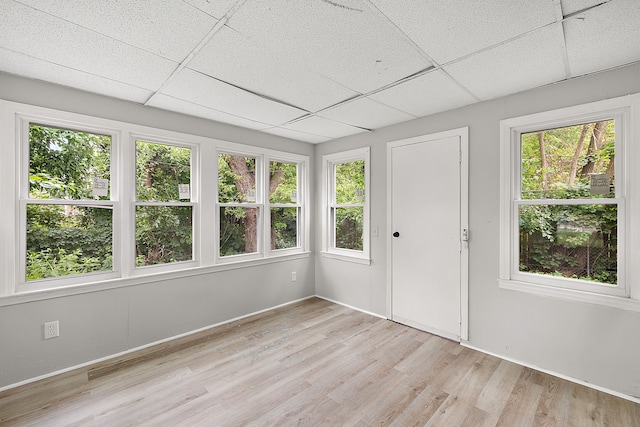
(543, 162)
(594, 145)
(245, 180)
(576, 154)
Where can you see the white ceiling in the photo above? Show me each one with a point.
(314, 70)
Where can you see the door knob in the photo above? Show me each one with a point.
(396, 234)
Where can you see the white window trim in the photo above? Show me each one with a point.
(626, 110)
(12, 116)
(328, 162)
(129, 249)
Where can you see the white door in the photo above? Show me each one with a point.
(426, 242)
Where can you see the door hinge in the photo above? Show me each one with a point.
(465, 235)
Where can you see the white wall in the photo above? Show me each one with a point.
(98, 324)
(587, 342)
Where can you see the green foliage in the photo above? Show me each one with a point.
(159, 170)
(349, 190)
(62, 162)
(163, 234)
(577, 241)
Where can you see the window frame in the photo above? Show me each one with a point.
(619, 109)
(263, 159)
(134, 138)
(14, 169)
(329, 161)
(23, 123)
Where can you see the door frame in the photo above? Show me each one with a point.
(463, 134)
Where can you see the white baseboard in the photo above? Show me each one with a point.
(352, 307)
(555, 374)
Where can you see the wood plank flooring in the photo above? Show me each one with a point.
(313, 363)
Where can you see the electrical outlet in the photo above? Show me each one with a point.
(293, 276)
(51, 329)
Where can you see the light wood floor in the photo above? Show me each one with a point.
(312, 363)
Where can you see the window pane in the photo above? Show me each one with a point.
(570, 162)
(236, 178)
(160, 170)
(349, 227)
(238, 230)
(576, 241)
(284, 228)
(163, 234)
(349, 182)
(63, 240)
(283, 182)
(64, 163)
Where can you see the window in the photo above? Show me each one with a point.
(260, 205)
(346, 223)
(67, 205)
(163, 208)
(565, 204)
(101, 203)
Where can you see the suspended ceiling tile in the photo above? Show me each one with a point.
(180, 106)
(447, 30)
(22, 65)
(572, 6)
(323, 127)
(234, 58)
(297, 135)
(428, 94)
(60, 42)
(199, 89)
(217, 8)
(344, 40)
(365, 113)
(168, 28)
(531, 61)
(605, 37)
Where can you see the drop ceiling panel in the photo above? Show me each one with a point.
(297, 135)
(178, 105)
(572, 6)
(22, 65)
(447, 30)
(42, 36)
(344, 40)
(427, 94)
(365, 113)
(155, 26)
(605, 37)
(322, 127)
(234, 58)
(199, 89)
(217, 8)
(530, 61)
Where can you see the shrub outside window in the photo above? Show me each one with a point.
(67, 205)
(163, 209)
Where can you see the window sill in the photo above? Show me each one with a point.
(30, 296)
(622, 303)
(348, 258)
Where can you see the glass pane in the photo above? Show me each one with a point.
(283, 182)
(162, 171)
(570, 162)
(65, 164)
(349, 228)
(349, 181)
(238, 230)
(284, 228)
(236, 178)
(63, 240)
(577, 241)
(163, 234)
